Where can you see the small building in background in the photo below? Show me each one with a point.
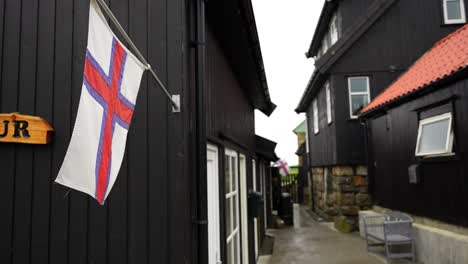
(417, 149)
(303, 177)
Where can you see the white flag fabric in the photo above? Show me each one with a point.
(111, 81)
(283, 167)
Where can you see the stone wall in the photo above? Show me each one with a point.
(339, 193)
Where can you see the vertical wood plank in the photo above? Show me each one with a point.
(137, 147)
(24, 154)
(8, 103)
(78, 207)
(59, 232)
(97, 233)
(44, 107)
(2, 21)
(157, 127)
(179, 219)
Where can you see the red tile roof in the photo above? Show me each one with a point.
(447, 57)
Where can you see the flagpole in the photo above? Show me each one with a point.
(138, 53)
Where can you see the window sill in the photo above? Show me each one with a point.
(445, 24)
(441, 158)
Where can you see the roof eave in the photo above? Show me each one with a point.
(441, 83)
(265, 105)
(311, 89)
(265, 148)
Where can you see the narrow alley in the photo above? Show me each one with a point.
(315, 242)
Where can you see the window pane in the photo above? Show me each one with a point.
(333, 30)
(358, 85)
(229, 252)
(329, 115)
(233, 174)
(228, 217)
(433, 137)
(235, 211)
(235, 242)
(358, 102)
(453, 9)
(227, 176)
(316, 123)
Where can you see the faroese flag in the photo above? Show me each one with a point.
(111, 81)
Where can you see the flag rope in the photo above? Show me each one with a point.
(135, 49)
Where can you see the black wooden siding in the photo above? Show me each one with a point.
(147, 216)
(387, 49)
(322, 146)
(350, 133)
(350, 11)
(443, 191)
(229, 112)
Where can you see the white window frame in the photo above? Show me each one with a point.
(462, 10)
(350, 94)
(328, 99)
(255, 220)
(315, 114)
(233, 194)
(333, 30)
(449, 141)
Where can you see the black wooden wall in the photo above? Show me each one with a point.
(229, 119)
(443, 190)
(322, 146)
(147, 216)
(350, 11)
(388, 48)
(228, 108)
(350, 133)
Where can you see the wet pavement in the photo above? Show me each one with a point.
(317, 243)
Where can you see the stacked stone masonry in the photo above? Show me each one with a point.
(339, 193)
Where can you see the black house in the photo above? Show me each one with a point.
(417, 149)
(360, 47)
(159, 210)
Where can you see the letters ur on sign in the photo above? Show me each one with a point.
(17, 128)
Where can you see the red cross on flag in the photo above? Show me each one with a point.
(111, 81)
(283, 167)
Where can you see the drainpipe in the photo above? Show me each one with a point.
(200, 218)
(369, 155)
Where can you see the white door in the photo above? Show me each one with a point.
(214, 245)
(244, 213)
(232, 207)
(254, 177)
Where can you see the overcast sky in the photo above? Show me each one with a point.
(285, 30)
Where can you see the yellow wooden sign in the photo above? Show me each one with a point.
(17, 128)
